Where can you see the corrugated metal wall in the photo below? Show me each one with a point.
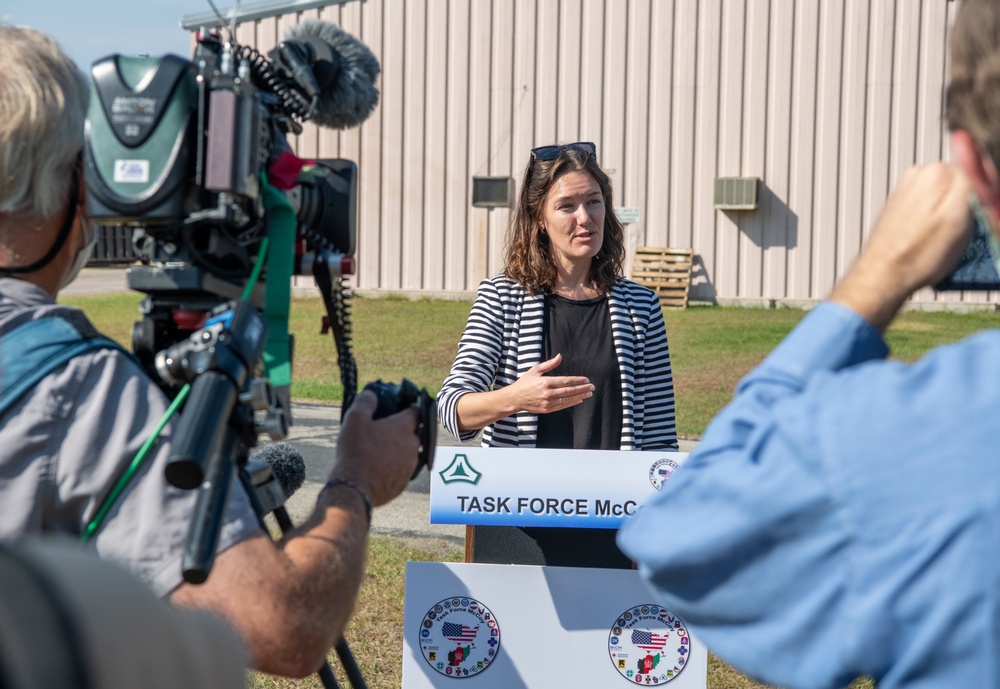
(826, 101)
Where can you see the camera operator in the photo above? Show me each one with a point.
(65, 441)
(839, 517)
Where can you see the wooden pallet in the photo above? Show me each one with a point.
(665, 271)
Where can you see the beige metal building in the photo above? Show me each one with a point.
(819, 106)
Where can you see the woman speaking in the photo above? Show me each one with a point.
(560, 351)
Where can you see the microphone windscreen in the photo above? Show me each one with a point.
(286, 464)
(351, 96)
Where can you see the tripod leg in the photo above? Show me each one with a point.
(326, 675)
(350, 666)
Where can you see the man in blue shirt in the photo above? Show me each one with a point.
(841, 516)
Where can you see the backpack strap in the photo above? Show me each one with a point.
(35, 349)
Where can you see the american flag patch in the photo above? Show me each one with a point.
(648, 641)
(461, 632)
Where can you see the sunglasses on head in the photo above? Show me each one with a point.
(552, 152)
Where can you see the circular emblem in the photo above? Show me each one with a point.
(661, 470)
(462, 641)
(651, 647)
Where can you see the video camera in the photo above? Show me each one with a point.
(189, 153)
(193, 155)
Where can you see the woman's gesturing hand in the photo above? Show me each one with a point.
(539, 393)
(533, 392)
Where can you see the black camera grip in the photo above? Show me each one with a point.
(209, 509)
(199, 433)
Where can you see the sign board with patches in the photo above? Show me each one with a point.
(483, 486)
(522, 626)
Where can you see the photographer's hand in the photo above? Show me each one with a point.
(380, 455)
(303, 592)
(919, 237)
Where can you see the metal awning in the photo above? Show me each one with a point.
(251, 11)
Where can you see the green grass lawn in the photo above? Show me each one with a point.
(711, 349)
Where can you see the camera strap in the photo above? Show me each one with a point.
(281, 222)
(32, 351)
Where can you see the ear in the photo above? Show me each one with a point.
(979, 169)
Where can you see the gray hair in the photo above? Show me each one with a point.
(43, 107)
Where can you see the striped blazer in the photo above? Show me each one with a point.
(503, 339)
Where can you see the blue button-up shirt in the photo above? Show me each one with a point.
(841, 517)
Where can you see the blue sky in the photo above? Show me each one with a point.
(91, 29)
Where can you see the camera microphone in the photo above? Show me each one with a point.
(333, 67)
(287, 465)
(275, 470)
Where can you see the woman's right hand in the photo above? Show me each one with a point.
(533, 392)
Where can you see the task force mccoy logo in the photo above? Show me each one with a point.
(459, 637)
(649, 645)
(460, 470)
(661, 470)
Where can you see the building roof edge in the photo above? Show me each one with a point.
(262, 9)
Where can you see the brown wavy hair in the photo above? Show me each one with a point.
(973, 96)
(528, 260)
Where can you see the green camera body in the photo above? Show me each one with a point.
(141, 148)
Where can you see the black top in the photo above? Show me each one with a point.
(581, 332)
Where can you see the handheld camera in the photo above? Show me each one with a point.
(977, 269)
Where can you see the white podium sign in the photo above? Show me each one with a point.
(532, 487)
(515, 626)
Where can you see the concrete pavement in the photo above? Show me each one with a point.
(104, 280)
(314, 434)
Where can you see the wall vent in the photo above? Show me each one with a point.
(736, 193)
(491, 192)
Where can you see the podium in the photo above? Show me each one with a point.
(526, 625)
(532, 541)
(515, 545)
